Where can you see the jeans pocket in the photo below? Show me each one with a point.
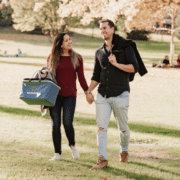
(99, 99)
(122, 100)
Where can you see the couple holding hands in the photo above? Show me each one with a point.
(116, 62)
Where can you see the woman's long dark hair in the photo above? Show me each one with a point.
(56, 54)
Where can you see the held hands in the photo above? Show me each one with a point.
(112, 59)
(89, 98)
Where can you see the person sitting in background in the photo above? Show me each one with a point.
(155, 65)
(5, 54)
(178, 62)
(165, 62)
(19, 53)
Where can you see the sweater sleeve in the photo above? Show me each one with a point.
(97, 69)
(81, 77)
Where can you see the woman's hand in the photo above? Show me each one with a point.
(43, 74)
(90, 98)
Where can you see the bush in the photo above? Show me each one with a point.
(138, 35)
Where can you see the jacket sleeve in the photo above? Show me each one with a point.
(97, 69)
(131, 58)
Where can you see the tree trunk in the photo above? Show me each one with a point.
(172, 49)
(172, 37)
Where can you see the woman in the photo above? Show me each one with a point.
(65, 64)
(178, 61)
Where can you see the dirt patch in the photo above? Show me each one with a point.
(145, 153)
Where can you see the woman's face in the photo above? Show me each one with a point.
(67, 43)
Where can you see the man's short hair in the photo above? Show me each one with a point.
(111, 24)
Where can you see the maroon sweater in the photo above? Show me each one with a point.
(66, 76)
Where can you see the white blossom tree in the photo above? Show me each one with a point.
(143, 14)
(140, 14)
(31, 14)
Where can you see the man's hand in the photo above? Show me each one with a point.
(112, 59)
(90, 98)
(125, 67)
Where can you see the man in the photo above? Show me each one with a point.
(165, 63)
(115, 64)
(5, 54)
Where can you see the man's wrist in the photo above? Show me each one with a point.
(117, 65)
(87, 92)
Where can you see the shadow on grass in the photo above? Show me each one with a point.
(117, 172)
(39, 163)
(26, 64)
(152, 167)
(87, 121)
(120, 172)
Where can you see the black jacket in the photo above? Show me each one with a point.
(121, 43)
(114, 81)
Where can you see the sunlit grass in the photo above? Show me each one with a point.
(26, 142)
(26, 146)
(151, 51)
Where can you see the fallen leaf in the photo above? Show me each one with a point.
(49, 169)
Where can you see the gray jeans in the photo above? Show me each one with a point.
(104, 107)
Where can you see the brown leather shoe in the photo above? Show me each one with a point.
(124, 156)
(101, 163)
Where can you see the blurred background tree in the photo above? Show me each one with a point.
(145, 14)
(54, 16)
(177, 24)
(5, 14)
(136, 34)
(29, 15)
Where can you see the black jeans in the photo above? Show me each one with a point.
(67, 105)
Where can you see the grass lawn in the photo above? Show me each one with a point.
(26, 142)
(26, 146)
(38, 46)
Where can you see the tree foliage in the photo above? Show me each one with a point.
(5, 14)
(56, 14)
(138, 35)
(27, 15)
(143, 14)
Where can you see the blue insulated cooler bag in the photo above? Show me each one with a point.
(39, 91)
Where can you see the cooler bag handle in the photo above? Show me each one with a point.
(48, 72)
(36, 75)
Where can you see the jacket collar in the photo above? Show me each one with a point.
(119, 42)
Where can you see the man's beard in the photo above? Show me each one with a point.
(106, 38)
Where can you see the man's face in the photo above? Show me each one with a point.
(167, 57)
(106, 31)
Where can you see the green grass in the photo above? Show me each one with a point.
(89, 121)
(151, 51)
(26, 146)
(26, 140)
(21, 63)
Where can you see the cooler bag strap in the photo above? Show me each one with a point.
(36, 75)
